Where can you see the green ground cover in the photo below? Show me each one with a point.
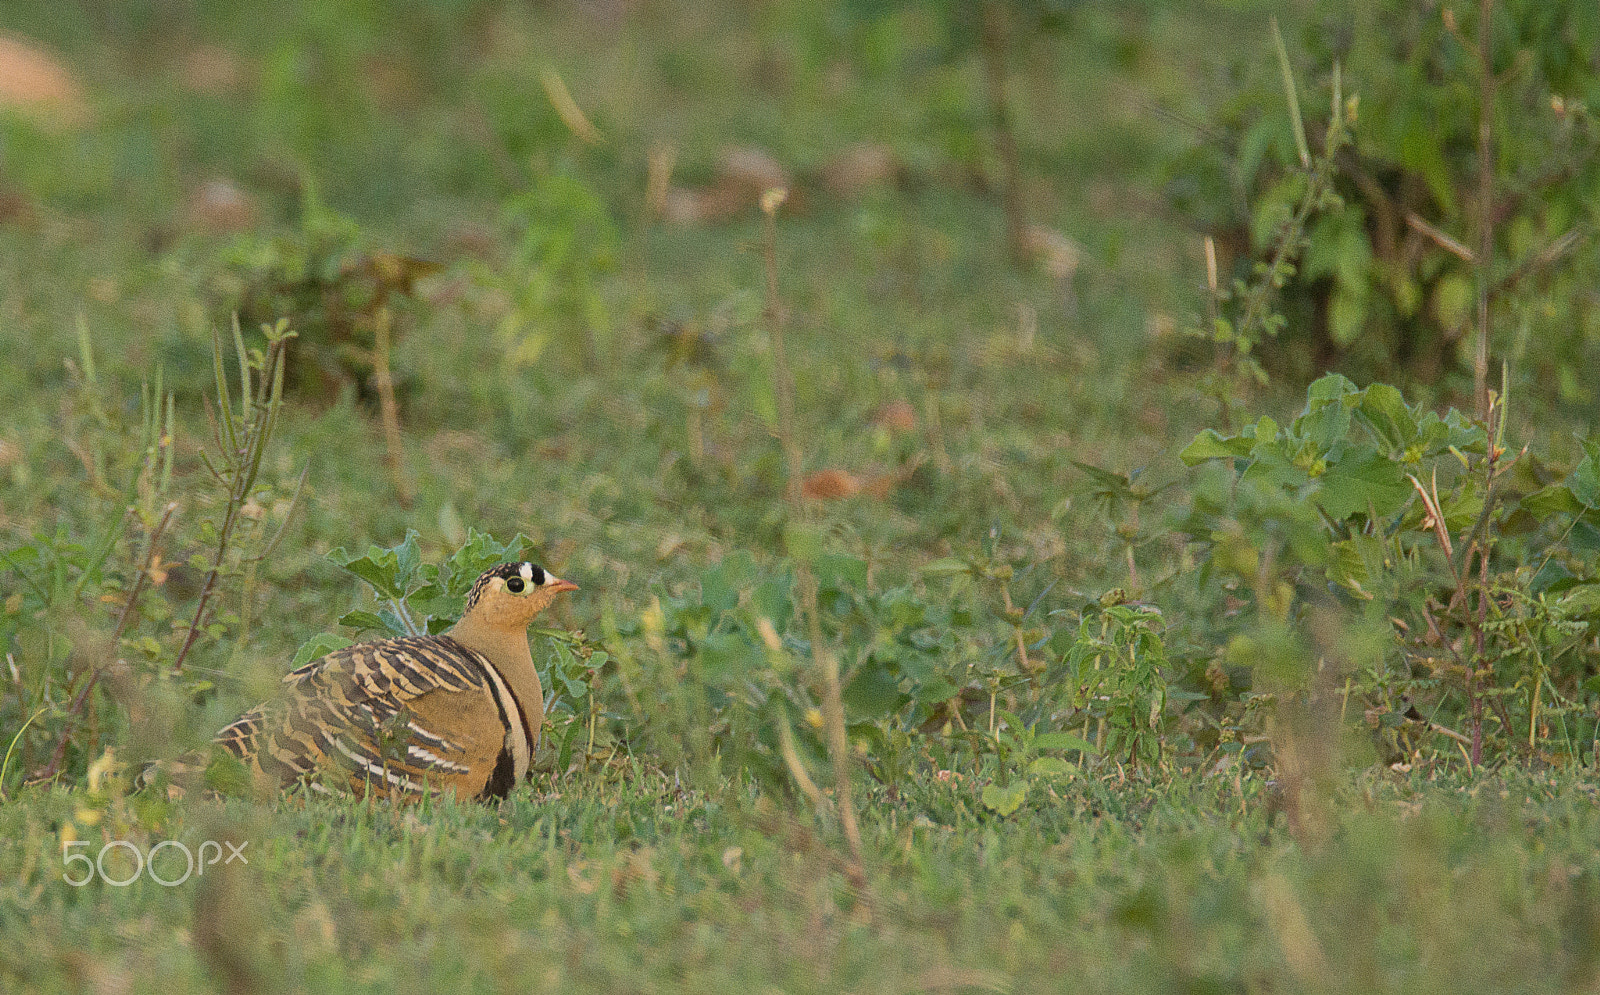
(1113, 722)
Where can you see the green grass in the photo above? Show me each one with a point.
(639, 474)
(624, 883)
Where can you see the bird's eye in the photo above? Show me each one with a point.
(514, 585)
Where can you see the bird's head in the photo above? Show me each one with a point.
(510, 595)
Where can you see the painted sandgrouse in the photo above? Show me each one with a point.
(456, 712)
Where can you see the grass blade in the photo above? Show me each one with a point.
(1294, 98)
(244, 370)
(228, 437)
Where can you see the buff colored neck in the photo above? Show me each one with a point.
(506, 646)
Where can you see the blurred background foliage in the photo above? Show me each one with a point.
(1128, 370)
(1387, 286)
(513, 244)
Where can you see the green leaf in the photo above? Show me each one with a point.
(727, 656)
(840, 572)
(1436, 435)
(1265, 431)
(362, 620)
(1581, 600)
(434, 601)
(721, 585)
(874, 692)
(408, 556)
(1005, 800)
(1383, 411)
(1210, 445)
(1274, 208)
(802, 541)
(378, 567)
(1404, 290)
(1585, 479)
(1347, 316)
(1356, 561)
(564, 755)
(1324, 423)
(771, 596)
(1557, 499)
(318, 646)
(935, 689)
(1420, 151)
(946, 566)
(1452, 301)
(1461, 507)
(1329, 387)
(1271, 467)
(575, 685)
(1115, 482)
(1366, 480)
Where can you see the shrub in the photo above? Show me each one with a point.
(1388, 283)
(1366, 514)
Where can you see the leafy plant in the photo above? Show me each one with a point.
(1120, 498)
(328, 286)
(1373, 509)
(1243, 314)
(1019, 759)
(241, 439)
(931, 676)
(1389, 285)
(53, 626)
(345, 301)
(1117, 664)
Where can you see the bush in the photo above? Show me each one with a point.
(1368, 515)
(1388, 283)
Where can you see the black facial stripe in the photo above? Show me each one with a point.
(504, 571)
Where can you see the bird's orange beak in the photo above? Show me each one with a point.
(558, 585)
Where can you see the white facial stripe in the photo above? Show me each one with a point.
(527, 572)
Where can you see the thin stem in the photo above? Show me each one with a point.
(995, 40)
(797, 768)
(144, 570)
(388, 409)
(782, 381)
(223, 536)
(1485, 253)
(242, 466)
(399, 606)
(838, 742)
(5, 767)
(827, 665)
